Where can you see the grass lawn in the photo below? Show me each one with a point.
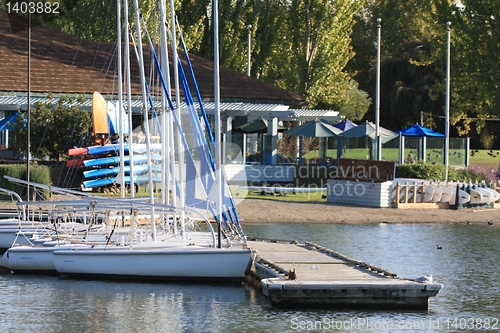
(240, 193)
(487, 159)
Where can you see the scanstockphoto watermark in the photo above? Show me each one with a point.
(348, 188)
(464, 324)
(281, 172)
(363, 324)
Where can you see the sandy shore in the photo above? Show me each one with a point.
(265, 211)
(270, 211)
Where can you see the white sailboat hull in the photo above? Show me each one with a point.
(208, 265)
(33, 259)
(10, 235)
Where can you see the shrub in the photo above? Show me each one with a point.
(421, 170)
(476, 174)
(38, 174)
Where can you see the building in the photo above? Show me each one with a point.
(63, 64)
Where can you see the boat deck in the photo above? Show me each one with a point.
(308, 275)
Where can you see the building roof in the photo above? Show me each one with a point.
(227, 109)
(61, 63)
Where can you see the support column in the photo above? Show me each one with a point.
(244, 149)
(401, 149)
(424, 149)
(271, 141)
(467, 151)
(301, 146)
(227, 131)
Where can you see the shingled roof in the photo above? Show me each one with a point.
(61, 63)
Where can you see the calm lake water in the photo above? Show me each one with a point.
(467, 266)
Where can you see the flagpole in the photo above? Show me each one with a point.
(249, 28)
(447, 106)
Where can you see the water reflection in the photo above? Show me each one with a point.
(466, 265)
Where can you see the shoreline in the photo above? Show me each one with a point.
(259, 211)
(256, 211)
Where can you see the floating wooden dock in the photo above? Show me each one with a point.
(308, 275)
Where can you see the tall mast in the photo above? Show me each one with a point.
(119, 105)
(217, 128)
(146, 115)
(180, 151)
(129, 97)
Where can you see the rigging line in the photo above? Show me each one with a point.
(205, 118)
(66, 148)
(176, 118)
(111, 56)
(99, 43)
(153, 109)
(81, 40)
(207, 124)
(71, 175)
(195, 83)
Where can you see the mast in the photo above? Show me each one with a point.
(28, 126)
(146, 115)
(175, 61)
(119, 105)
(217, 128)
(165, 177)
(129, 97)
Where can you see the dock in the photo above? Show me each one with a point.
(294, 275)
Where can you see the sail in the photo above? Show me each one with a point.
(100, 122)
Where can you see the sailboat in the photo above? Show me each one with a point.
(172, 246)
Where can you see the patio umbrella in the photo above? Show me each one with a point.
(417, 130)
(345, 125)
(258, 125)
(315, 128)
(368, 129)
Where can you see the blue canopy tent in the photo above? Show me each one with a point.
(416, 131)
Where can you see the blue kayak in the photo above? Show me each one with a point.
(107, 181)
(138, 169)
(138, 159)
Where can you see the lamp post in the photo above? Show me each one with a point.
(447, 106)
(249, 29)
(377, 97)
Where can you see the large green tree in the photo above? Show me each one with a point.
(475, 62)
(406, 31)
(414, 50)
(54, 128)
(313, 49)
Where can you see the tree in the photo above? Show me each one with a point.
(96, 20)
(356, 102)
(55, 127)
(475, 62)
(414, 50)
(406, 72)
(314, 49)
